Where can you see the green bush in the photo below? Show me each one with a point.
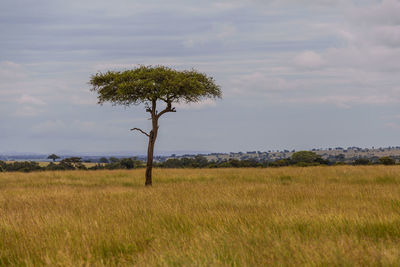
(387, 161)
(362, 161)
(22, 166)
(304, 156)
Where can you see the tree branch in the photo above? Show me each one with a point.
(140, 130)
(169, 108)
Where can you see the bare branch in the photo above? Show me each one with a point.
(140, 130)
(147, 107)
(169, 108)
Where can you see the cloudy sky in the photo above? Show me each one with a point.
(295, 74)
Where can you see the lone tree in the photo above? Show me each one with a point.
(152, 86)
(53, 157)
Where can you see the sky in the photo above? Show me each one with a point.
(297, 74)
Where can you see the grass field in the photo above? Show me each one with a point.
(340, 215)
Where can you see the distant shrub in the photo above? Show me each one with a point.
(172, 163)
(113, 159)
(304, 157)
(224, 164)
(387, 161)
(22, 166)
(62, 166)
(113, 166)
(362, 161)
(195, 162)
(279, 163)
(127, 163)
(72, 164)
(97, 167)
(2, 166)
(103, 160)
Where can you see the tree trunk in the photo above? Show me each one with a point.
(150, 149)
(150, 152)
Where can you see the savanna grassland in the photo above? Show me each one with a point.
(340, 215)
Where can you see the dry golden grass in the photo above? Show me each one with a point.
(230, 217)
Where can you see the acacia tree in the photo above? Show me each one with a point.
(152, 86)
(53, 157)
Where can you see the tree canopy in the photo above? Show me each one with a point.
(153, 83)
(53, 157)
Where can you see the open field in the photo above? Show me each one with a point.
(340, 215)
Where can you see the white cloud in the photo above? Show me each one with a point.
(222, 33)
(384, 12)
(51, 126)
(84, 99)
(10, 71)
(309, 59)
(65, 126)
(373, 24)
(27, 111)
(72, 128)
(227, 5)
(386, 35)
(198, 105)
(31, 100)
(346, 101)
(258, 82)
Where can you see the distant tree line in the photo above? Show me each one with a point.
(21, 166)
(300, 158)
(72, 163)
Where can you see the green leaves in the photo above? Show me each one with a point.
(148, 83)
